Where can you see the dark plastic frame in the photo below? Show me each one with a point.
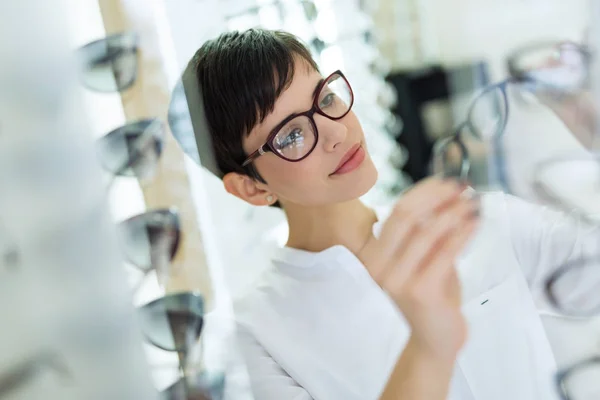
(268, 145)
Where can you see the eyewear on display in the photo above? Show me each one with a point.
(110, 64)
(561, 68)
(310, 9)
(19, 375)
(297, 135)
(173, 322)
(580, 381)
(488, 113)
(570, 183)
(200, 386)
(574, 288)
(556, 68)
(149, 241)
(133, 149)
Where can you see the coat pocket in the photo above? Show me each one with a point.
(507, 355)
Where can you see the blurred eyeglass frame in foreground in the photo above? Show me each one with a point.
(580, 381)
(563, 69)
(571, 183)
(574, 288)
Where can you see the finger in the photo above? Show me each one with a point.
(453, 288)
(415, 208)
(416, 252)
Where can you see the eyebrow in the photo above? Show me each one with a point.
(314, 94)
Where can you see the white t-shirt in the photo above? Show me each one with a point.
(318, 327)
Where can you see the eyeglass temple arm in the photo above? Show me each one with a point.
(261, 150)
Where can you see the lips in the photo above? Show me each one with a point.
(348, 158)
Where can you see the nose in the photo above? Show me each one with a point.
(331, 133)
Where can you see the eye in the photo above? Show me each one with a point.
(327, 100)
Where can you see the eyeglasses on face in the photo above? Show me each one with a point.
(296, 136)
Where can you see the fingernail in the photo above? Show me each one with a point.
(462, 183)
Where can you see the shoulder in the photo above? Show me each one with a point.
(258, 296)
(499, 208)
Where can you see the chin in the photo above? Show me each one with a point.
(362, 181)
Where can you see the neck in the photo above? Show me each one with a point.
(317, 228)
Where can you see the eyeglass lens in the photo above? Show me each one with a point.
(110, 64)
(488, 113)
(133, 149)
(173, 322)
(150, 240)
(583, 383)
(298, 137)
(555, 66)
(450, 158)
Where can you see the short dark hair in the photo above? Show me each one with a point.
(240, 75)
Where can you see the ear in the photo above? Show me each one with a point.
(248, 189)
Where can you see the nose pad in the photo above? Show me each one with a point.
(331, 133)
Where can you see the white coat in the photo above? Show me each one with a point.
(318, 327)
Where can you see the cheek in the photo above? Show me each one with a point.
(283, 176)
(353, 124)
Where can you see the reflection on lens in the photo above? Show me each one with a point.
(571, 183)
(110, 64)
(450, 158)
(488, 113)
(575, 288)
(150, 240)
(203, 386)
(133, 149)
(296, 138)
(174, 322)
(582, 382)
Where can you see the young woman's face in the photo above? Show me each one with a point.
(338, 169)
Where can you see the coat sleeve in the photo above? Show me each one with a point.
(267, 379)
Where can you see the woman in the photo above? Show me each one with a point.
(361, 305)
